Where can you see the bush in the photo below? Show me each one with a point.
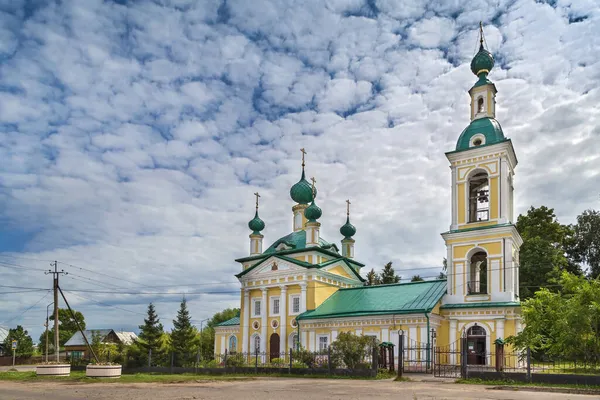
(298, 364)
(278, 362)
(235, 361)
(351, 349)
(211, 364)
(304, 356)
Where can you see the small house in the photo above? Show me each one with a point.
(76, 348)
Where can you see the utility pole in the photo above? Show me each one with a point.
(55, 275)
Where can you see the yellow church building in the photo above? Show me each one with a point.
(303, 290)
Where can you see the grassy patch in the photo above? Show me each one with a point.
(508, 382)
(79, 377)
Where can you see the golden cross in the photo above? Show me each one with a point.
(480, 32)
(257, 196)
(313, 186)
(303, 153)
(348, 207)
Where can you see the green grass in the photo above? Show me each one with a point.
(508, 382)
(79, 377)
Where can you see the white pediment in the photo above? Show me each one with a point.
(274, 265)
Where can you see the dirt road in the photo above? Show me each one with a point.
(266, 389)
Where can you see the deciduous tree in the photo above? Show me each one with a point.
(24, 342)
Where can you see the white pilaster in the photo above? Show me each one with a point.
(334, 334)
(423, 340)
(348, 248)
(450, 278)
(246, 321)
(500, 329)
(263, 322)
(302, 297)
(454, 200)
(222, 350)
(283, 321)
(304, 340)
(385, 335)
(504, 191)
(311, 341)
(312, 234)
(256, 242)
(453, 348)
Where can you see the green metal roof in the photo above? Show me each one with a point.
(482, 304)
(296, 240)
(488, 127)
(402, 298)
(304, 264)
(230, 322)
(480, 228)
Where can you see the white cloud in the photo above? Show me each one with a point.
(132, 137)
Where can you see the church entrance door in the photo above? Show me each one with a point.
(476, 351)
(274, 346)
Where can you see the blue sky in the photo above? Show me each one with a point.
(134, 134)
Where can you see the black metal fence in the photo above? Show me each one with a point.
(459, 360)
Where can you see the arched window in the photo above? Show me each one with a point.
(476, 331)
(479, 197)
(232, 344)
(477, 283)
(480, 105)
(256, 344)
(294, 342)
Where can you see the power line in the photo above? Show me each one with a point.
(24, 291)
(18, 267)
(107, 305)
(23, 313)
(100, 273)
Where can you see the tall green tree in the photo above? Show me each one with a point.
(152, 330)
(183, 336)
(372, 278)
(66, 329)
(563, 323)
(544, 253)
(587, 241)
(24, 342)
(417, 278)
(388, 275)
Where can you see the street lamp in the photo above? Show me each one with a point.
(48, 306)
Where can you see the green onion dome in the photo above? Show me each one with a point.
(483, 62)
(301, 192)
(313, 212)
(348, 230)
(256, 224)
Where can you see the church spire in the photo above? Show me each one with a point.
(256, 225)
(348, 230)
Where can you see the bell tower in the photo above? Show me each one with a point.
(483, 242)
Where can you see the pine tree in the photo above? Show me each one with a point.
(417, 278)
(388, 275)
(183, 335)
(152, 330)
(372, 278)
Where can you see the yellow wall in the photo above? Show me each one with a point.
(317, 293)
(339, 270)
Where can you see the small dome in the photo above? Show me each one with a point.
(348, 230)
(482, 62)
(481, 131)
(313, 212)
(256, 224)
(301, 192)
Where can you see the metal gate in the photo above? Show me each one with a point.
(418, 357)
(448, 361)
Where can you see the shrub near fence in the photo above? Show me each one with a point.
(300, 362)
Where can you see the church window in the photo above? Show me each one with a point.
(295, 304)
(477, 142)
(256, 344)
(256, 307)
(323, 343)
(275, 306)
(477, 283)
(480, 105)
(232, 344)
(479, 197)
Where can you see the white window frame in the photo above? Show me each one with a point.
(272, 306)
(252, 311)
(255, 340)
(292, 297)
(318, 344)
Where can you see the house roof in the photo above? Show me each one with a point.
(77, 338)
(230, 322)
(3, 334)
(402, 298)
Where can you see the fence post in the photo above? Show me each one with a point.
(463, 358)
(256, 361)
(400, 354)
(528, 365)
(375, 361)
(291, 361)
(329, 359)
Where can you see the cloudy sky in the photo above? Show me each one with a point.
(134, 134)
